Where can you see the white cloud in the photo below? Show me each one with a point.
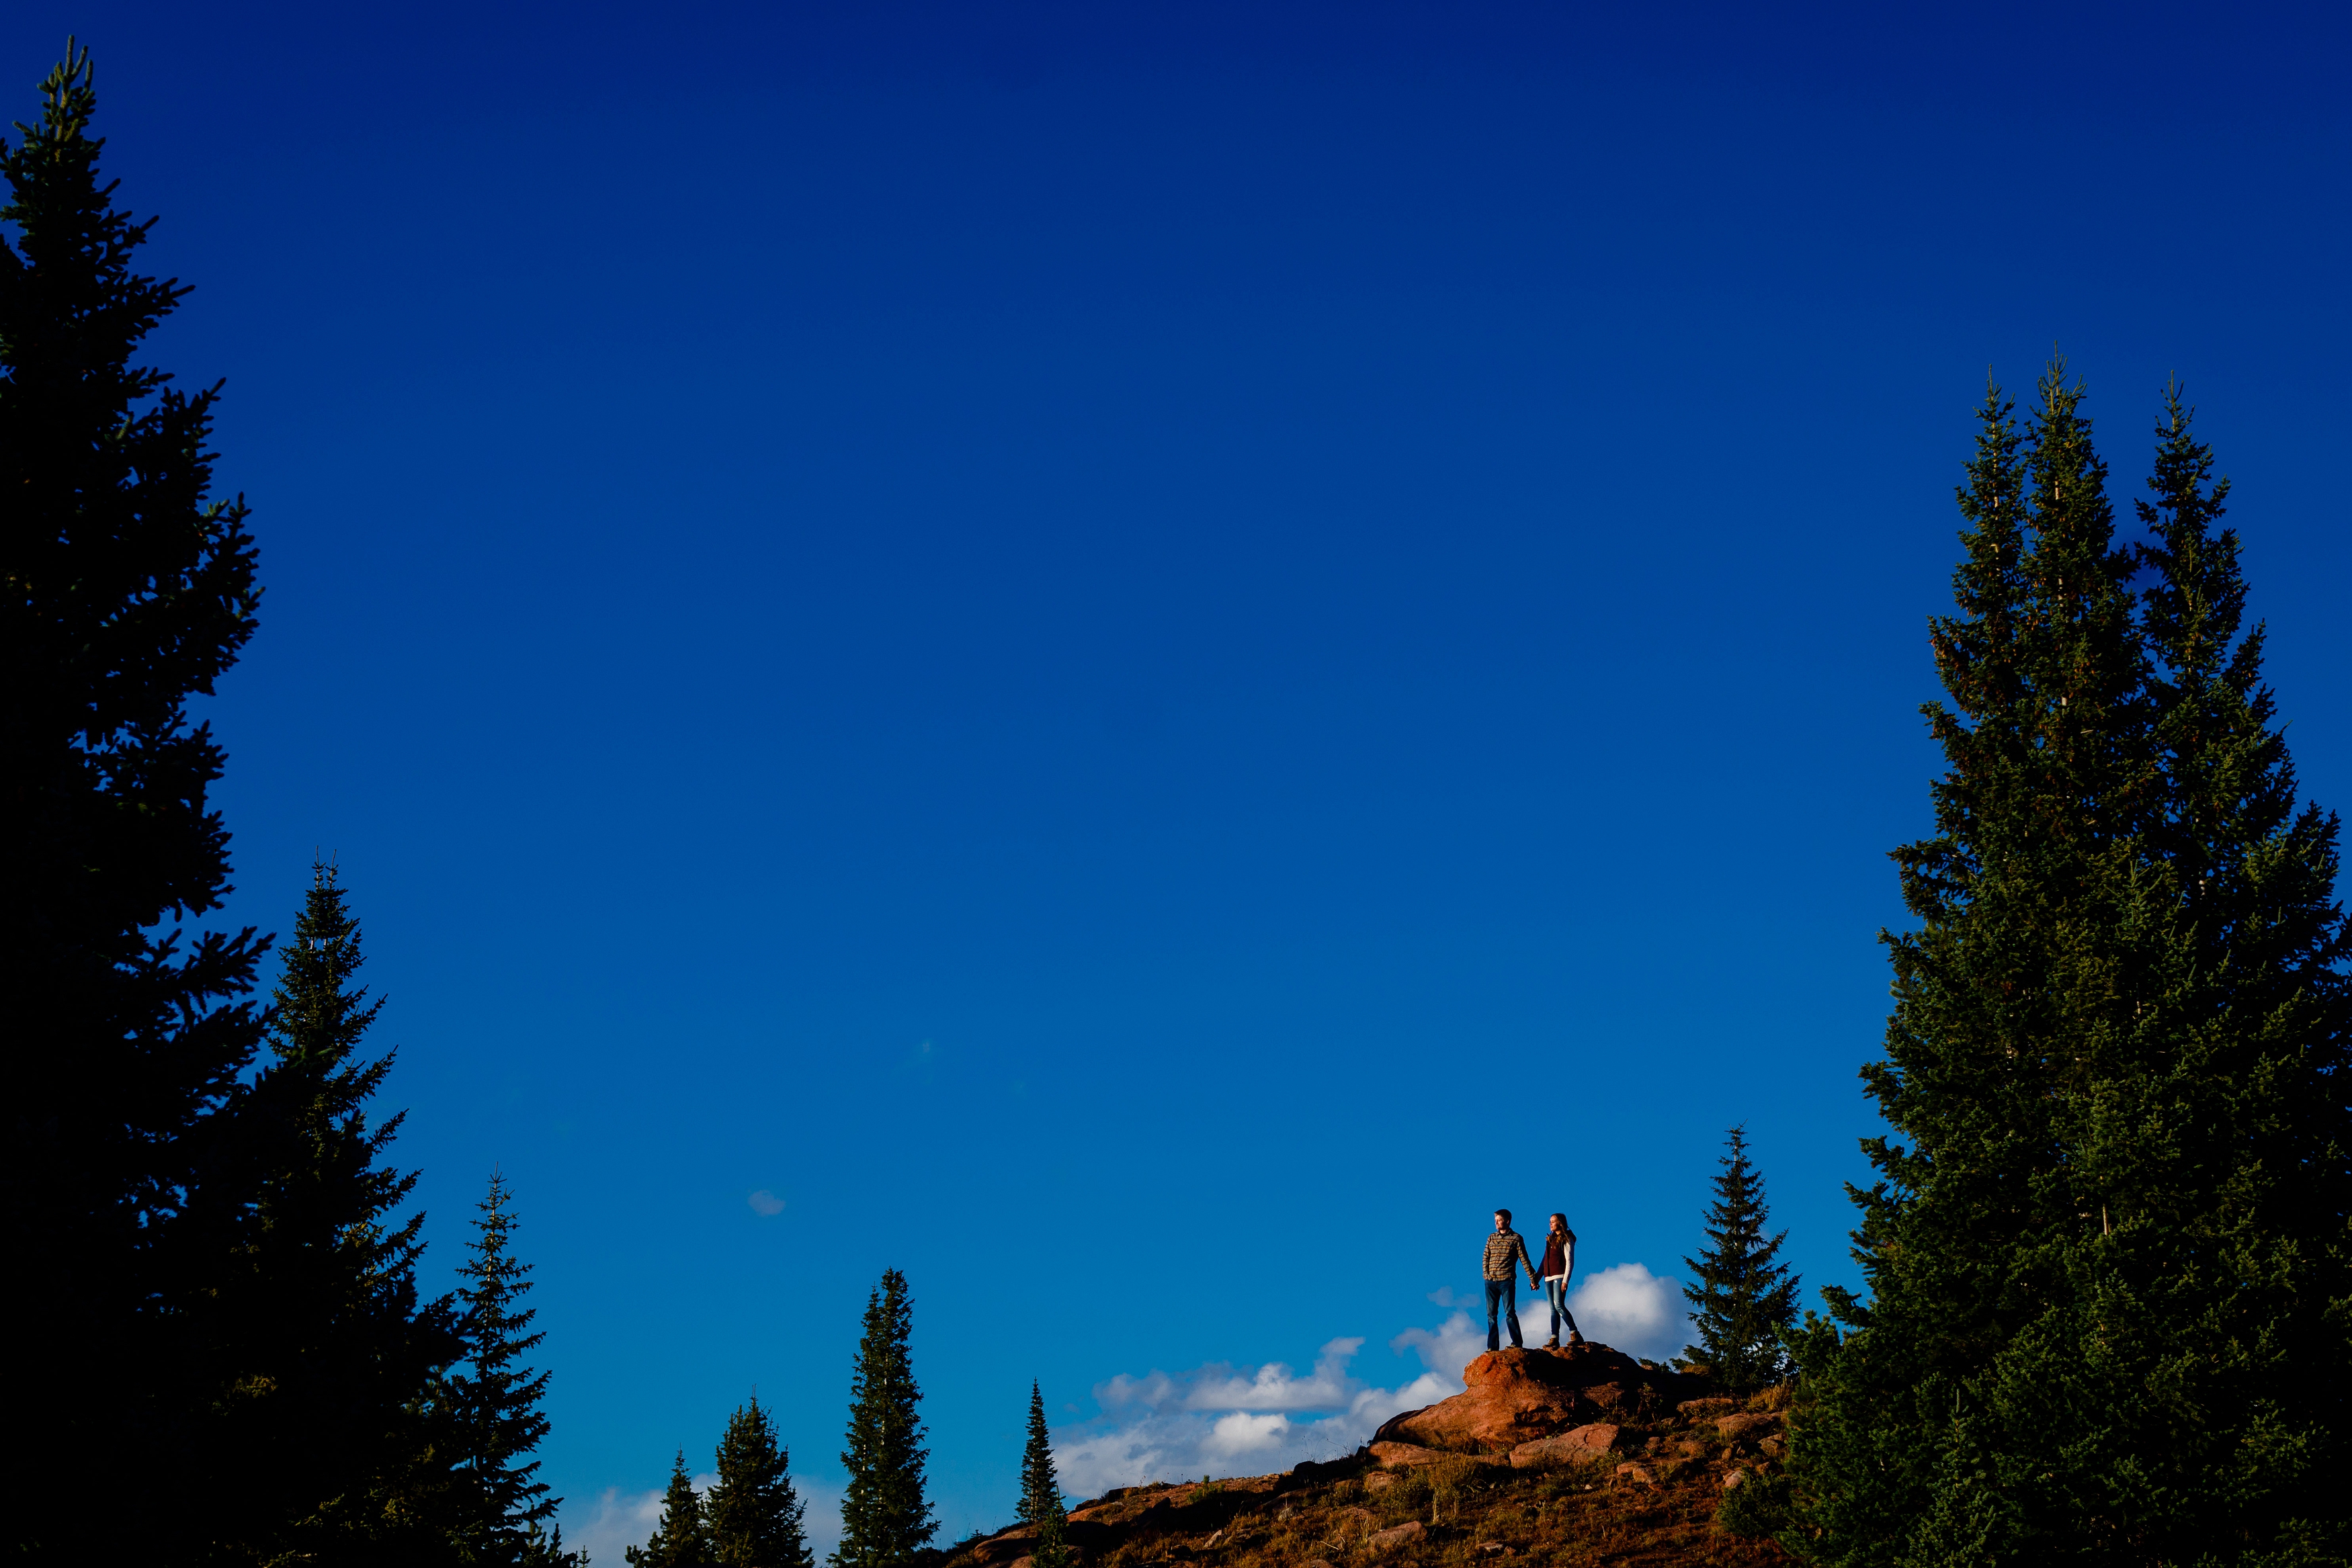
(616, 1522)
(822, 1521)
(1272, 1387)
(1242, 1433)
(1447, 1350)
(1218, 1420)
(1155, 1389)
(765, 1204)
(1627, 1306)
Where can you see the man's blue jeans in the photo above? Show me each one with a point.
(1506, 1293)
(1556, 1296)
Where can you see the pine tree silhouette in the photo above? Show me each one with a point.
(493, 1404)
(129, 591)
(322, 1325)
(1744, 1300)
(682, 1539)
(884, 1517)
(1041, 1490)
(754, 1515)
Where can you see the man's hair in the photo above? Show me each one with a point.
(1504, 1215)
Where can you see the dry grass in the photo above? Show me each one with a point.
(1472, 1512)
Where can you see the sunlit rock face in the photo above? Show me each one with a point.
(1519, 1396)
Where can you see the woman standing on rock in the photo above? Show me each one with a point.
(1559, 1262)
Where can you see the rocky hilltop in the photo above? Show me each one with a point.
(1538, 1407)
(1576, 1456)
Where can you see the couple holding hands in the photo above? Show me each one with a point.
(1505, 1251)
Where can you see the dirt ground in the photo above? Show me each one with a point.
(1653, 1500)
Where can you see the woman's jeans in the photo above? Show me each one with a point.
(1556, 1297)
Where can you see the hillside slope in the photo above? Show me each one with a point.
(1570, 1457)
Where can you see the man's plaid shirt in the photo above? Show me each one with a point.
(1503, 1250)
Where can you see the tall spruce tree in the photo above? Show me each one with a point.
(681, 1539)
(884, 1517)
(491, 1413)
(1041, 1490)
(1745, 1300)
(325, 1452)
(129, 590)
(2108, 1269)
(753, 1512)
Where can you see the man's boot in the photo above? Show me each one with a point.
(1574, 1337)
(1552, 1344)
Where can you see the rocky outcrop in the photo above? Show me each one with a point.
(1519, 1396)
(1545, 1454)
(1404, 1455)
(1641, 1485)
(1577, 1446)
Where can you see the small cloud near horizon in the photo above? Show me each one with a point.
(1222, 1420)
(765, 1204)
(616, 1522)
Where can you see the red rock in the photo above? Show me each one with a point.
(1738, 1427)
(1402, 1456)
(1390, 1540)
(1636, 1473)
(1578, 1446)
(1515, 1396)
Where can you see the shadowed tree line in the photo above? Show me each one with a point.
(226, 1358)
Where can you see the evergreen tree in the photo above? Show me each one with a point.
(325, 1455)
(542, 1547)
(2109, 1271)
(129, 591)
(1745, 1301)
(490, 1411)
(754, 1514)
(681, 1540)
(1041, 1490)
(884, 1518)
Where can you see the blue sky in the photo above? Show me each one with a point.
(1141, 657)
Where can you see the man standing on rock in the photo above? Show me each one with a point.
(1559, 1262)
(1505, 1249)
